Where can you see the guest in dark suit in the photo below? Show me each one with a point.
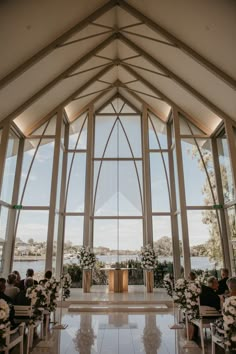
(29, 274)
(223, 288)
(208, 296)
(21, 298)
(8, 300)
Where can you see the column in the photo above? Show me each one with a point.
(183, 212)
(54, 186)
(147, 212)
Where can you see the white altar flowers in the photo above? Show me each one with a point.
(86, 257)
(148, 257)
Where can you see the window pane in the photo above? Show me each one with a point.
(30, 245)
(157, 133)
(78, 133)
(231, 213)
(48, 128)
(118, 138)
(76, 179)
(38, 186)
(204, 239)
(225, 169)
(74, 226)
(159, 182)
(10, 168)
(3, 228)
(122, 235)
(118, 196)
(187, 128)
(162, 237)
(197, 174)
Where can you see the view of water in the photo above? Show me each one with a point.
(38, 266)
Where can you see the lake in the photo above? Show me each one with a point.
(38, 266)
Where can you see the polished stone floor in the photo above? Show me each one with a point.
(117, 333)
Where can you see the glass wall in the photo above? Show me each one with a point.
(118, 183)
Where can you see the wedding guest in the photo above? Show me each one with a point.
(223, 288)
(231, 283)
(21, 298)
(47, 276)
(18, 278)
(8, 300)
(29, 274)
(11, 289)
(192, 276)
(208, 296)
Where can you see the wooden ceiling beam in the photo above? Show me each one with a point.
(171, 103)
(210, 105)
(180, 44)
(54, 44)
(59, 78)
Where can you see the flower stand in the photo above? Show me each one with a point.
(149, 277)
(87, 276)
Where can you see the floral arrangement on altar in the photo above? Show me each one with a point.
(169, 284)
(4, 315)
(179, 293)
(52, 286)
(192, 292)
(86, 258)
(229, 319)
(66, 284)
(148, 257)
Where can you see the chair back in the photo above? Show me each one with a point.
(23, 311)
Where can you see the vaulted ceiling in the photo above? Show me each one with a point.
(70, 53)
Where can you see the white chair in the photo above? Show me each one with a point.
(25, 314)
(206, 316)
(216, 339)
(13, 338)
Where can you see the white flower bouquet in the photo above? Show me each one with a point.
(192, 292)
(148, 257)
(66, 284)
(229, 318)
(52, 286)
(4, 323)
(86, 258)
(179, 292)
(39, 297)
(169, 284)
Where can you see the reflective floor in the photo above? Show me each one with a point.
(115, 333)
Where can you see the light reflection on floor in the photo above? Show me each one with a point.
(117, 333)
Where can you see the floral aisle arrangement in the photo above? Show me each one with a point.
(192, 292)
(4, 315)
(86, 258)
(169, 284)
(179, 293)
(39, 296)
(52, 286)
(66, 284)
(148, 257)
(229, 320)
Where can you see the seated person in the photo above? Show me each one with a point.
(223, 288)
(208, 296)
(29, 274)
(11, 289)
(8, 300)
(192, 276)
(18, 278)
(47, 276)
(21, 298)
